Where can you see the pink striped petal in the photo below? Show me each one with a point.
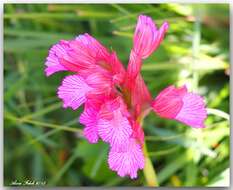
(113, 125)
(73, 91)
(147, 37)
(89, 118)
(100, 80)
(92, 46)
(138, 132)
(134, 68)
(85, 53)
(53, 63)
(127, 159)
(178, 104)
(141, 96)
(117, 68)
(115, 130)
(193, 112)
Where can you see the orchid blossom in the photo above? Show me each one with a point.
(117, 99)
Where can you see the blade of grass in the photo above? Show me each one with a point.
(64, 169)
(32, 103)
(120, 8)
(172, 167)
(40, 15)
(40, 112)
(157, 21)
(123, 34)
(95, 15)
(131, 15)
(42, 124)
(163, 152)
(40, 148)
(98, 162)
(155, 138)
(36, 34)
(51, 132)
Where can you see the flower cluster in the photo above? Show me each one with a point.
(116, 99)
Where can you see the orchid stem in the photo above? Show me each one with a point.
(149, 171)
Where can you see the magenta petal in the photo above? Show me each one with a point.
(134, 67)
(127, 159)
(89, 118)
(100, 80)
(178, 104)
(52, 61)
(113, 125)
(168, 103)
(118, 69)
(141, 96)
(193, 112)
(116, 130)
(73, 91)
(87, 51)
(147, 37)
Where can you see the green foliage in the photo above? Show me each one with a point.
(44, 142)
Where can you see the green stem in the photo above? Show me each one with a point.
(218, 113)
(149, 171)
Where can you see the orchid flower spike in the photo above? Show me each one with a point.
(116, 99)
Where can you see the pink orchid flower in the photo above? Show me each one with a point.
(116, 100)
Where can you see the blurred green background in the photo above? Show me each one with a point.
(43, 142)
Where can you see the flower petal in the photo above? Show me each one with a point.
(141, 96)
(127, 159)
(134, 68)
(117, 68)
(52, 61)
(146, 40)
(147, 37)
(138, 132)
(178, 104)
(85, 52)
(193, 112)
(73, 91)
(89, 118)
(113, 125)
(100, 80)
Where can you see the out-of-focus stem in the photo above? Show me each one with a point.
(218, 113)
(149, 171)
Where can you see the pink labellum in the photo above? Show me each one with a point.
(89, 118)
(73, 91)
(127, 158)
(113, 126)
